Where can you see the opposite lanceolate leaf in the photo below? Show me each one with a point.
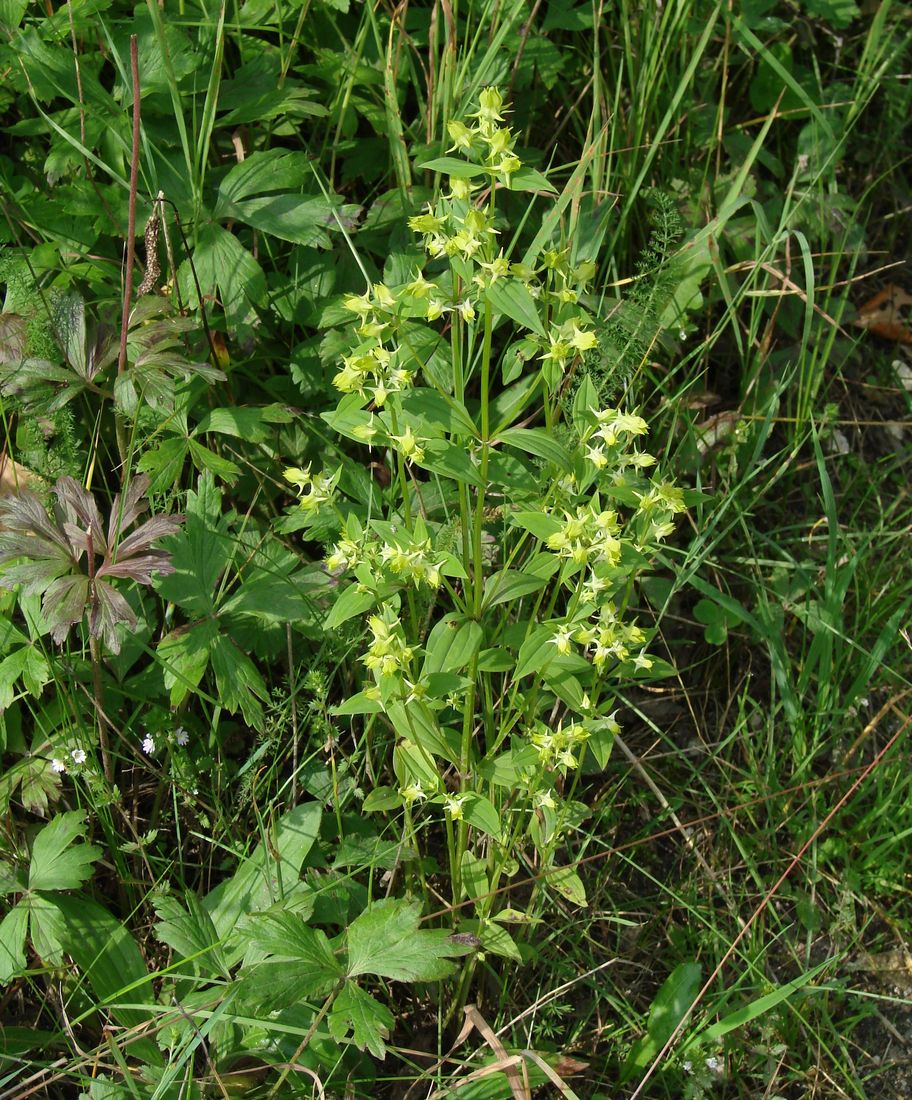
(386, 940)
(58, 863)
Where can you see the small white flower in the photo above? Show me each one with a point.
(688, 1067)
(713, 1064)
(148, 745)
(79, 756)
(181, 736)
(58, 766)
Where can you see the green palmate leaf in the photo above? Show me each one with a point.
(13, 929)
(451, 645)
(240, 685)
(188, 929)
(361, 1019)
(352, 601)
(184, 655)
(28, 663)
(200, 552)
(536, 441)
(511, 298)
(302, 963)
(387, 940)
(57, 863)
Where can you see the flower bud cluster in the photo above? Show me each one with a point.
(387, 653)
(312, 489)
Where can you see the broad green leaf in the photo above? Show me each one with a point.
(479, 812)
(451, 166)
(541, 525)
(510, 584)
(360, 703)
(449, 460)
(264, 876)
(242, 422)
(13, 929)
(225, 270)
(451, 645)
(474, 876)
(300, 219)
(352, 601)
(58, 864)
(445, 413)
(498, 941)
(387, 940)
(569, 885)
(361, 1019)
(536, 441)
(535, 653)
(380, 799)
(671, 1004)
(107, 954)
(528, 179)
(260, 173)
(418, 723)
(511, 298)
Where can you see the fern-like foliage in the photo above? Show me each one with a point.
(634, 326)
